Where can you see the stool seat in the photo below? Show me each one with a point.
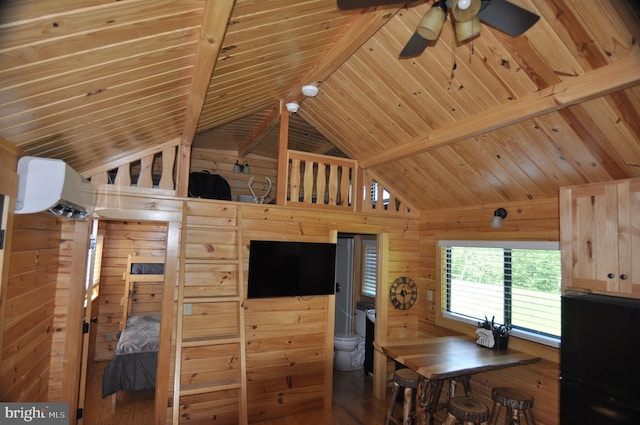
(515, 401)
(466, 409)
(408, 380)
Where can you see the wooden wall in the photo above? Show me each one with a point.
(289, 342)
(532, 220)
(28, 306)
(122, 238)
(222, 162)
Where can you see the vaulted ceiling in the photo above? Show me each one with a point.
(491, 120)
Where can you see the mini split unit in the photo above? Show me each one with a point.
(51, 185)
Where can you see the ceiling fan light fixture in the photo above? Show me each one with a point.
(431, 23)
(466, 30)
(464, 10)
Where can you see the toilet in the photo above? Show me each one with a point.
(349, 347)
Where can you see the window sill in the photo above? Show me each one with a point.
(545, 348)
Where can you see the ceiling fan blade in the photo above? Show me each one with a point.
(414, 47)
(507, 17)
(358, 4)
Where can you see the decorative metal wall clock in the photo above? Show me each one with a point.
(404, 293)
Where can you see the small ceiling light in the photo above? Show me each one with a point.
(310, 90)
(498, 217)
(292, 107)
(247, 170)
(237, 169)
(431, 23)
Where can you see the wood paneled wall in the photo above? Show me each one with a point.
(222, 163)
(28, 305)
(122, 238)
(532, 220)
(289, 342)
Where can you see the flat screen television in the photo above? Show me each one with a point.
(288, 269)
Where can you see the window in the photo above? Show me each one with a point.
(369, 267)
(518, 283)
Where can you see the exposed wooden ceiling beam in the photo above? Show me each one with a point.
(214, 27)
(599, 82)
(262, 131)
(363, 27)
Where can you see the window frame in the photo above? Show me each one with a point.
(504, 244)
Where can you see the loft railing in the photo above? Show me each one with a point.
(315, 180)
(378, 197)
(152, 170)
(320, 180)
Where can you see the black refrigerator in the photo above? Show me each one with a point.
(600, 360)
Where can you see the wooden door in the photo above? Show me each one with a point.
(589, 238)
(629, 239)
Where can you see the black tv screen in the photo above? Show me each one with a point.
(288, 269)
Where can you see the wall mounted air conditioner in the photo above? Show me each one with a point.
(51, 185)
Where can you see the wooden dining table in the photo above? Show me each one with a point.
(447, 358)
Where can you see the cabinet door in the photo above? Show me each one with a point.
(629, 237)
(589, 237)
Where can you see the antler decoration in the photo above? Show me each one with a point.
(259, 199)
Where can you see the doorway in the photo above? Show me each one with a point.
(356, 280)
(116, 240)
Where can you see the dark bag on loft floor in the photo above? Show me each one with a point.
(210, 186)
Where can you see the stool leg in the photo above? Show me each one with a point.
(528, 414)
(392, 402)
(508, 417)
(407, 406)
(495, 412)
(451, 420)
(515, 418)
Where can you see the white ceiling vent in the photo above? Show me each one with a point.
(51, 185)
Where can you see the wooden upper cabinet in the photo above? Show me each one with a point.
(600, 237)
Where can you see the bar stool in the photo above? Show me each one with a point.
(515, 401)
(467, 410)
(407, 379)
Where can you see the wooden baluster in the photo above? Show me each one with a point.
(321, 183)
(294, 181)
(145, 179)
(308, 181)
(123, 178)
(168, 160)
(333, 184)
(100, 179)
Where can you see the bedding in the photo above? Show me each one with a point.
(133, 367)
(147, 268)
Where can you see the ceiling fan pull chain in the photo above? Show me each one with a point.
(453, 54)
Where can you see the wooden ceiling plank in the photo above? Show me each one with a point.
(602, 81)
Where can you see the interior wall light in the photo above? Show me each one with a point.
(431, 23)
(498, 217)
(245, 168)
(237, 169)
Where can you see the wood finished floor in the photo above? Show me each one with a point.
(353, 404)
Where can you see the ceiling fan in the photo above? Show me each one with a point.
(466, 16)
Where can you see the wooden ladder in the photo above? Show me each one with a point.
(210, 371)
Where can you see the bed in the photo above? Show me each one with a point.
(133, 366)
